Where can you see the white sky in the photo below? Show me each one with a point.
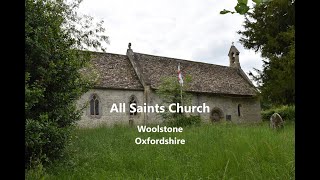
(184, 29)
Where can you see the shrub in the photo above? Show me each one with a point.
(44, 140)
(55, 73)
(286, 112)
(37, 172)
(182, 121)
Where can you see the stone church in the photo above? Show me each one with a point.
(134, 77)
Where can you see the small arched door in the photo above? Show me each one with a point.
(132, 102)
(216, 115)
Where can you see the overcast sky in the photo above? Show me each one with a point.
(185, 29)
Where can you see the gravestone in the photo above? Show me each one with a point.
(276, 121)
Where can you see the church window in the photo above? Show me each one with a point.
(133, 100)
(239, 109)
(94, 105)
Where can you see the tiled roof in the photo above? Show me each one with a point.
(207, 78)
(116, 71)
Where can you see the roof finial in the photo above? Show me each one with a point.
(232, 43)
(129, 45)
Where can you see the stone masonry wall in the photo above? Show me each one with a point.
(249, 107)
(107, 97)
(249, 110)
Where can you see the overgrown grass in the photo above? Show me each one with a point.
(286, 112)
(219, 151)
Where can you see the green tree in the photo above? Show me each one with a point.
(270, 29)
(242, 6)
(55, 37)
(170, 91)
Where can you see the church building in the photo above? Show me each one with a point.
(135, 77)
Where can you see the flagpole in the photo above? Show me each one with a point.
(180, 86)
(181, 94)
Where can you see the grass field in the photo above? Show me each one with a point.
(219, 151)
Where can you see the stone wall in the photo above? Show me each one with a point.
(227, 105)
(249, 107)
(107, 97)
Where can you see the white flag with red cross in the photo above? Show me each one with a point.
(180, 75)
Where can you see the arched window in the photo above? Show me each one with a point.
(94, 105)
(239, 109)
(133, 100)
(216, 114)
(233, 57)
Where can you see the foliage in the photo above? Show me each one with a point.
(170, 91)
(183, 121)
(242, 6)
(38, 172)
(286, 112)
(54, 36)
(270, 29)
(212, 151)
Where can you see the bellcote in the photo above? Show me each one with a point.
(234, 57)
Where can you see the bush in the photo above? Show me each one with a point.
(55, 74)
(44, 140)
(182, 121)
(286, 112)
(37, 172)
